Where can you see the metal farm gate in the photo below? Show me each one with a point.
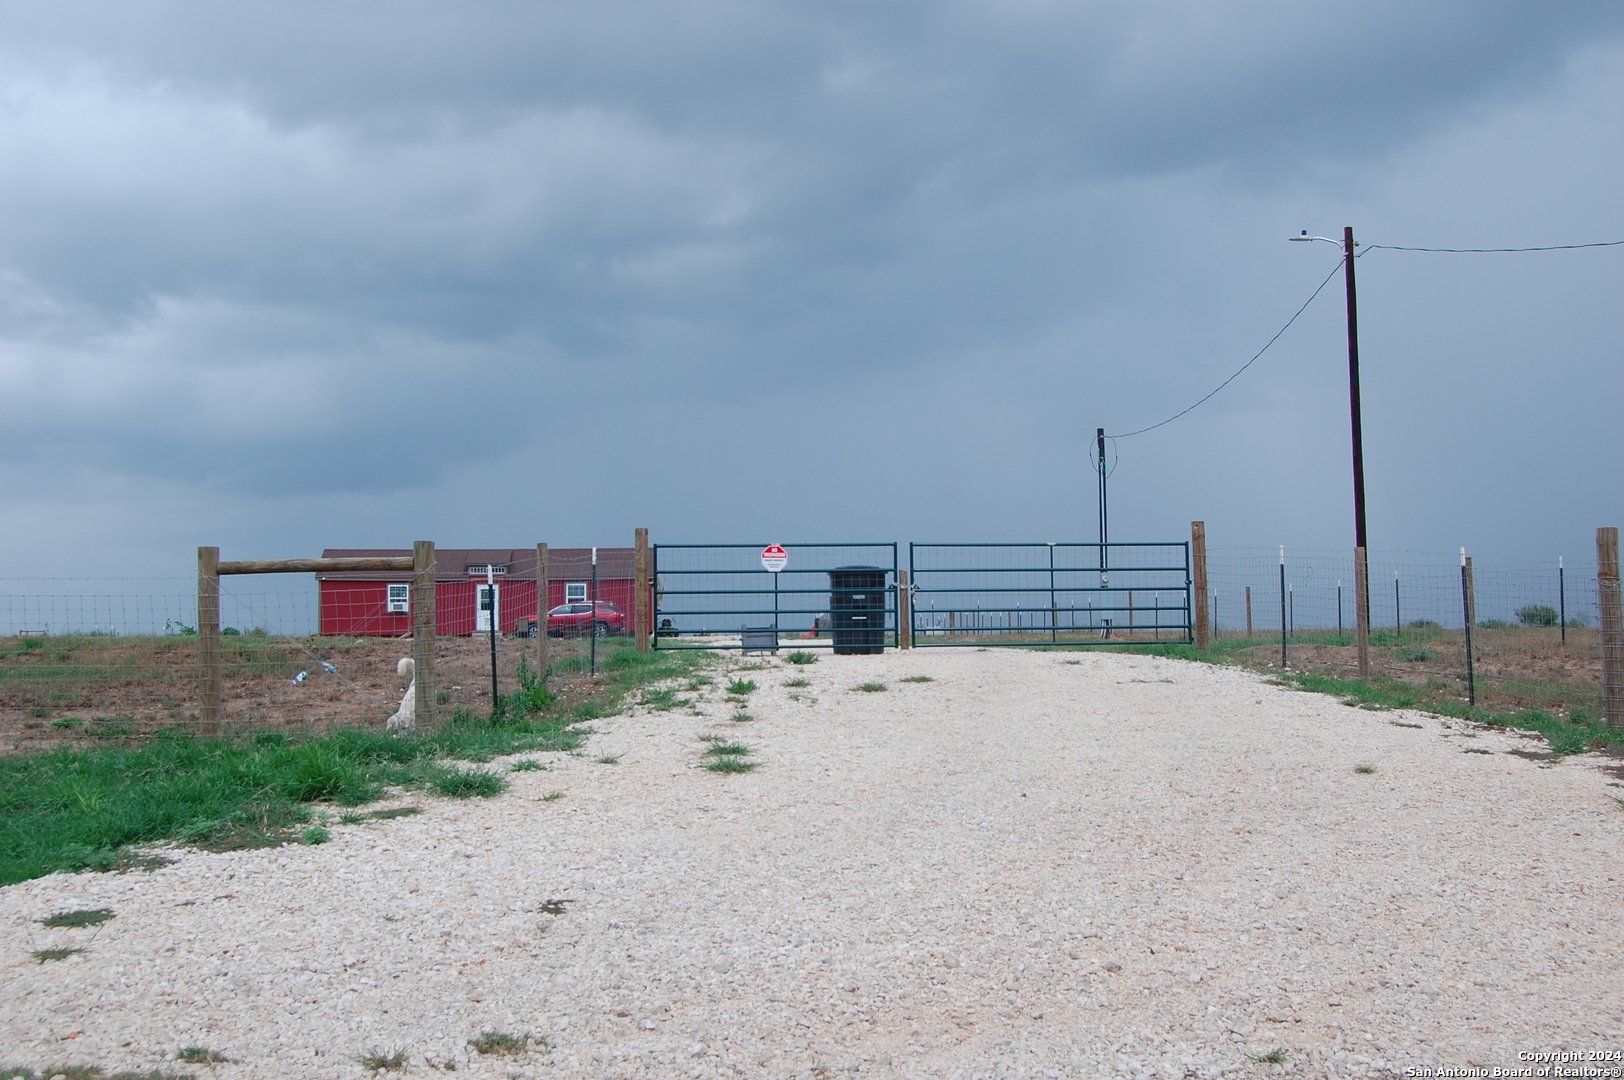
(1049, 594)
(722, 596)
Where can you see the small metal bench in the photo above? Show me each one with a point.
(758, 639)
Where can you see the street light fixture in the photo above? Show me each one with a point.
(1362, 584)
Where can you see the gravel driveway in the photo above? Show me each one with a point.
(1035, 865)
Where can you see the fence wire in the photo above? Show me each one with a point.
(1535, 640)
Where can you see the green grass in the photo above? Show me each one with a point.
(871, 687)
(1273, 1057)
(727, 757)
(69, 809)
(742, 687)
(378, 1059)
(42, 955)
(800, 656)
(919, 678)
(201, 1055)
(798, 683)
(527, 765)
(741, 717)
(498, 1042)
(90, 917)
(1366, 769)
(314, 834)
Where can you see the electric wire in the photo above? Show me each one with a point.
(1495, 251)
(1243, 367)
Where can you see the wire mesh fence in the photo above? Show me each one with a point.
(1535, 643)
(99, 663)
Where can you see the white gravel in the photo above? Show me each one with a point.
(1037, 865)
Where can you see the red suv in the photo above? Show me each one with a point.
(576, 620)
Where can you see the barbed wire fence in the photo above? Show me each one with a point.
(1535, 637)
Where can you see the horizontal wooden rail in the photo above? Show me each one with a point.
(315, 566)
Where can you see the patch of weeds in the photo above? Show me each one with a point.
(199, 1055)
(42, 955)
(1476, 750)
(1415, 654)
(698, 683)
(552, 796)
(396, 812)
(608, 759)
(728, 757)
(919, 678)
(89, 917)
(457, 784)
(800, 656)
(1071, 661)
(527, 765)
(378, 1059)
(1364, 769)
(66, 722)
(554, 906)
(499, 1042)
(1276, 1056)
(798, 683)
(314, 834)
(871, 687)
(661, 700)
(741, 717)
(741, 687)
(350, 817)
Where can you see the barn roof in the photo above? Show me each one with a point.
(455, 564)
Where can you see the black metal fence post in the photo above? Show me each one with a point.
(1282, 605)
(1398, 620)
(592, 602)
(1562, 597)
(490, 596)
(1466, 608)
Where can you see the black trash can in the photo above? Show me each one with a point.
(857, 609)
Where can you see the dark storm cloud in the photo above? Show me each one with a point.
(264, 251)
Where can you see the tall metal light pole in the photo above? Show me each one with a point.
(1361, 584)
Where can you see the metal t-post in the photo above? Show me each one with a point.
(490, 592)
(1282, 605)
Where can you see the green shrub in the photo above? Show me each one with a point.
(1493, 624)
(1537, 615)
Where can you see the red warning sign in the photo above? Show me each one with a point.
(774, 558)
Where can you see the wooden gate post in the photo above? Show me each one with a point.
(904, 612)
(1198, 554)
(1361, 606)
(423, 629)
(640, 606)
(1612, 627)
(208, 637)
(543, 599)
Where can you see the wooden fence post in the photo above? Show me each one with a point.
(640, 606)
(423, 629)
(1198, 554)
(543, 600)
(1612, 627)
(208, 637)
(904, 612)
(1361, 606)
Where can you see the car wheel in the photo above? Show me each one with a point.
(600, 629)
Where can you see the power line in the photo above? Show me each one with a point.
(1244, 366)
(1494, 251)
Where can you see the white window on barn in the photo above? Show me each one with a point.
(575, 592)
(400, 599)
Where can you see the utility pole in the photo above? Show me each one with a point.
(1360, 545)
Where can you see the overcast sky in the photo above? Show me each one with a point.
(291, 276)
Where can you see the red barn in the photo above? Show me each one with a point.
(378, 604)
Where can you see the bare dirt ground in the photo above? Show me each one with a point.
(1033, 865)
(91, 690)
